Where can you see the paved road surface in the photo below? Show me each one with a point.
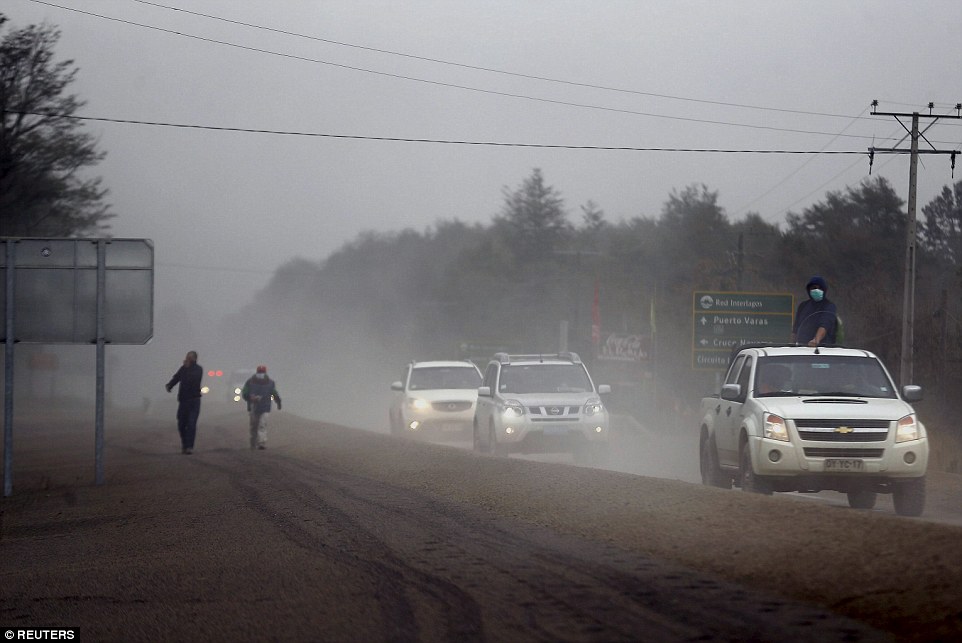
(335, 534)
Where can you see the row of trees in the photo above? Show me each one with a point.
(512, 282)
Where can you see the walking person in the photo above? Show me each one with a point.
(258, 392)
(188, 377)
(816, 319)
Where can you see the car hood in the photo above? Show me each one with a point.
(858, 408)
(446, 394)
(552, 399)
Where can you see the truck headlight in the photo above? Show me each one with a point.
(593, 407)
(775, 428)
(418, 404)
(907, 429)
(512, 409)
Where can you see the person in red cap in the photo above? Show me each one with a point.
(258, 392)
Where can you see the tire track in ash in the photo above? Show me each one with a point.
(286, 502)
(542, 584)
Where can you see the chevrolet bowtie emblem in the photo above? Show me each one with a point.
(844, 429)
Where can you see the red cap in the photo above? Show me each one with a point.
(261, 369)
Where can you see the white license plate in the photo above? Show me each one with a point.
(556, 430)
(840, 464)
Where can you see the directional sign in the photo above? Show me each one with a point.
(723, 320)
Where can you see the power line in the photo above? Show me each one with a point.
(246, 130)
(492, 70)
(443, 84)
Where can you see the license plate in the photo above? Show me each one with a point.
(556, 430)
(844, 465)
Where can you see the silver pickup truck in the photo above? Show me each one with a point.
(793, 418)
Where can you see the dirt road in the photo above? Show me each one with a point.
(338, 534)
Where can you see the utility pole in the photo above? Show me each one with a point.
(908, 293)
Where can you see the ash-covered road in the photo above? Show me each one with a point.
(339, 534)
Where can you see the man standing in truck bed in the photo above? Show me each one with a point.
(816, 319)
(258, 392)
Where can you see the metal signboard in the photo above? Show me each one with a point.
(72, 291)
(723, 320)
(55, 292)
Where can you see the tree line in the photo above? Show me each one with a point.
(512, 281)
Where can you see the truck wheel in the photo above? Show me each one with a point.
(395, 426)
(909, 497)
(476, 440)
(599, 455)
(493, 447)
(591, 455)
(861, 499)
(711, 473)
(746, 475)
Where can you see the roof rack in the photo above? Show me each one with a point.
(506, 358)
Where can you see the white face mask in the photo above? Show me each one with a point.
(261, 376)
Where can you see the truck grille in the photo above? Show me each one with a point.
(843, 430)
(451, 407)
(819, 452)
(553, 411)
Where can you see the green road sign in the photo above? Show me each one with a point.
(723, 320)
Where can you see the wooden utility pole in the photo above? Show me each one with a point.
(908, 293)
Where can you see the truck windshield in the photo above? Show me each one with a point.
(826, 375)
(444, 377)
(544, 378)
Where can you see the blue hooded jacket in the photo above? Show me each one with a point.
(812, 315)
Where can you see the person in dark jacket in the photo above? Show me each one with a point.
(816, 319)
(188, 400)
(258, 392)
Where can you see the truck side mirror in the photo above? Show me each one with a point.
(731, 392)
(912, 393)
(604, 389)
(397, 386)
(484, 391)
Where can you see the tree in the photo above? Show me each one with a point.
(534, 218)
(42, 148)
(941, 232)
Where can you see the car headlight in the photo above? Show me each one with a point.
(775, 428)
(512, 409)
(418, 404)
(204, 390)
(237, 391)
(908, 429)
(593, 407)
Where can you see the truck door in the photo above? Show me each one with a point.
(730, 412)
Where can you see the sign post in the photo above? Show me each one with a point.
(723, 320)
(73, 291)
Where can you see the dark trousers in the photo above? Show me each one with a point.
(187, 413)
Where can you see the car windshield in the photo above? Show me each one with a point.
(444, 377)
(822, 375)
(544, 378)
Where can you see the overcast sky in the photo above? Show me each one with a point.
(226, 208)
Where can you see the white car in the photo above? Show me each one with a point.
(435, 400)
(541, 404)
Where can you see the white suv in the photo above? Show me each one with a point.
(541, 404)
(435, 399)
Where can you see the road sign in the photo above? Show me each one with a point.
(723, 320)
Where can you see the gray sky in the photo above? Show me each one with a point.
(226, 208)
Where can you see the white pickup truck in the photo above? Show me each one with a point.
(794, 418)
